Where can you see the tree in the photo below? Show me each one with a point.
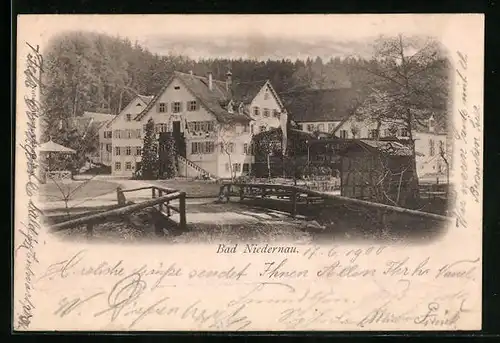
(225, 139)
(168, 157)
(410, 83)
(149, 163)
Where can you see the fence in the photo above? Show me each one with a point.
(161, 200)
(341, 210)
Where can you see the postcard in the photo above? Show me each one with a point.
(248, 172)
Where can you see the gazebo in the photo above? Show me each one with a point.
(48, 151)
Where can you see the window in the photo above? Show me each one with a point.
(246, 149)
(138, 133)
(202, 147)
(321, 127)
(331, 127)
(404, 132)
(276, 114)
(266, 94)
(373, 133)
(192, 106)
(118, 166)
(310, 127)
(107, 134)
(128, 151)
(256, 111)
(108, 147)
(266, 112)
(117, 151)
(201, 126)
(129, 117)
(138, 151)
(343, 134)
(128, 165)
(161, 128)
(177, 87)
(129, 133)
(176, 107)
(236, 167)
(246, 167)
(226, 148)
(246, 128)
(118, 134)
(262, 128)
(432, 148)
(386, 133)
(162, 107)
(301, 127)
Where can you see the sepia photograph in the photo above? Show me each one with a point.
(150, 137)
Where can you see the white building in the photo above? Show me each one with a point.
(217, 120)
(121, 139)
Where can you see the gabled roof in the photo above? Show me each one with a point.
(245, 92)
(319, 104)
(146, 99)
(214, 100)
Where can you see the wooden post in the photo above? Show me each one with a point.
(120, 197)
(182, 211)
(293, 212)
(90, 229)
(153, 192)
(160, 205)
(168, 208)
(242, 193)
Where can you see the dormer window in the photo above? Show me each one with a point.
(129, 117)
(256, 111)
(266, 94)
(177, 87)
(276, 114)
(266, 112)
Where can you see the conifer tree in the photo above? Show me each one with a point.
(149, 164)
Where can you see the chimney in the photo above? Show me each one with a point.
(210, 81)
(229, 80)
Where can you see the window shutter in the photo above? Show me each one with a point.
(180, 106)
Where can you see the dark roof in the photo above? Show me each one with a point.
(213, 99)
(319, 104)
(246, 91)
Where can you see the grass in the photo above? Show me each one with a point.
(193, 189)
(50, 191)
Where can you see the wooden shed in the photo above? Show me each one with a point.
(378, 171)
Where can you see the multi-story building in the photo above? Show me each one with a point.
(215, 119)
(121, 139)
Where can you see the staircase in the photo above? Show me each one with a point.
(194, 169)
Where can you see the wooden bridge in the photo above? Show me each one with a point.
(329, 207)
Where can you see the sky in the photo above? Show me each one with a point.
(249, 36)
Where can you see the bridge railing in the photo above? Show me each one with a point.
(340, 208)
(161, 199)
